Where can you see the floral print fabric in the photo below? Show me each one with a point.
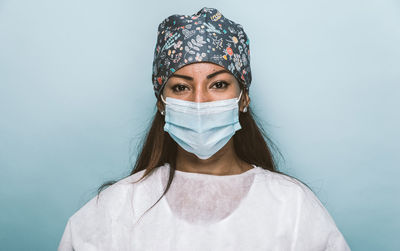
(206, 36)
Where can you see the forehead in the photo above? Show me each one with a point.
(199, 68)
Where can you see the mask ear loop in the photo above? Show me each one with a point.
(240, 95)
(162, 98)
(165, 102)
(245, 108)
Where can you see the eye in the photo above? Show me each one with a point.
(178, 88)
(220, 85)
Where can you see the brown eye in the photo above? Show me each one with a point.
(178, 88)
(220, 85)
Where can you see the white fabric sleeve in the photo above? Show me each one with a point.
(96, 225)
(66, 240)
(315, 229)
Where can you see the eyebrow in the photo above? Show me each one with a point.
(208, 76)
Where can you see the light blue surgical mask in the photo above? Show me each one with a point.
(201, 128)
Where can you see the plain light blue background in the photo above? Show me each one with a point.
(76, 96)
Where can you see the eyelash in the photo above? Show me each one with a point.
(174, 88)
(223, 82)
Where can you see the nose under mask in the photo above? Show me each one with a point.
(201, 128)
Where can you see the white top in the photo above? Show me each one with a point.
(255, 210)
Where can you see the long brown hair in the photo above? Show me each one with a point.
(251, 144)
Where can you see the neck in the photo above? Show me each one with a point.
(224, 162)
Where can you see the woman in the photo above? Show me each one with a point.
(205, 178)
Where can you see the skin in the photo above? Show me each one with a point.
(199, 88)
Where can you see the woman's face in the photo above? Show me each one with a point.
(203, 82)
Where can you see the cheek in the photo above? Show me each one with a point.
(232, 91)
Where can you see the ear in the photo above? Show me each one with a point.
(244, 100)
(160, 106)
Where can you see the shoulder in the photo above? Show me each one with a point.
(311, 220)
(111, 203)
(290, 192)
(112, 210)
(283, 186)
(91, 226)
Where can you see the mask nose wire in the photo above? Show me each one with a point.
(237, 101)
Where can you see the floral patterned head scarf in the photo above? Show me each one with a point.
(206, 36)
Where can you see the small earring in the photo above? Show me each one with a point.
(162, 113)
(245, 109)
